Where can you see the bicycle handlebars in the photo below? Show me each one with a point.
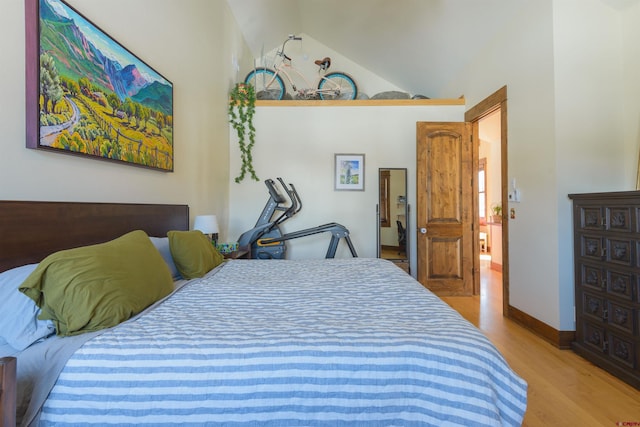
(291, 37)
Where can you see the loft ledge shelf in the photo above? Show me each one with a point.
(361, 103)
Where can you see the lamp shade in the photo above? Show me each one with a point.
(208, 224)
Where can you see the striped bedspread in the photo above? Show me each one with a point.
(284, 342)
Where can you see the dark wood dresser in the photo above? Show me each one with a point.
(607, 277)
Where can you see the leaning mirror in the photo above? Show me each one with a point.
(393, 215)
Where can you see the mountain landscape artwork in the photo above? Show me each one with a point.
(94, 97)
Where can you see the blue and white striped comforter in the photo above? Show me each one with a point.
(285, 342)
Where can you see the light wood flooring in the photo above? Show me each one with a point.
(564, 389)
(398, 258)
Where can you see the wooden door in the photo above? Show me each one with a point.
(445, 207)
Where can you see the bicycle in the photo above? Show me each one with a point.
(268, 82)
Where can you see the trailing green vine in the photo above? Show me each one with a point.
(242, 107)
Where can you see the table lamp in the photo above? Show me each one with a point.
(208, 224)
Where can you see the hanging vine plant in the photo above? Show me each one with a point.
(242, 107)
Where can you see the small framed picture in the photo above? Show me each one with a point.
(349, 172)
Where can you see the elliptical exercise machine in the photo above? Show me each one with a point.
(266, 239)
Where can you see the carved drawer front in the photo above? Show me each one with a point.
(620, 284)
(619, 252)
(591, 247)
(594, 337)
(619, 219)
(591, 218)
(622, 350)
(621, 317)
(593, 306)
(592, 277)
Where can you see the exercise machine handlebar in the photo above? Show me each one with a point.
(294, 197)
(273, 191)
(266, 238)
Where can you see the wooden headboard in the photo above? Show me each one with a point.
(29, 231)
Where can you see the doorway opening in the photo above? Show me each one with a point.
(489, 128)
(490, 204)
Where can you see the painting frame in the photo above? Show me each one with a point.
(349, 172)
(87, 95)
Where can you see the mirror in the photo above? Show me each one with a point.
(393, 216)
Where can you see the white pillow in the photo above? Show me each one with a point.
(162, 245)
(19, 324)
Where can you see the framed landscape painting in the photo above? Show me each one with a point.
(88, 95)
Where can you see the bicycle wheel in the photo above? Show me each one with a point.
(267, 84)
(337, 86)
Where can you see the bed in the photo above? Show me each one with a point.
(257, 342)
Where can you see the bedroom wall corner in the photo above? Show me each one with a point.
(185, 42)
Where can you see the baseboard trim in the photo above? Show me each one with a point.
(560, 339)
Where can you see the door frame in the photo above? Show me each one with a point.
(497, 100)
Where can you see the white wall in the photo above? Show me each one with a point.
(521, 57)
(171, 37)
(566, 133)
(299, 143)
(631, 104)
(303, 54)
(266, 23)
(592, 154)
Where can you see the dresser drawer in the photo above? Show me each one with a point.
(593, 307)
(592, 247)
(616, 347)
(594, 337)
(619, 219)
(621, 317)
(622, 350)
(620, 252)
(620, 284)
(590, 218)
(592, 277)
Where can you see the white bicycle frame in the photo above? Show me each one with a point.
(281, 69)
(309, 91)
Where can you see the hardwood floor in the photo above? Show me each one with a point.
(564, 389)
(398, 258)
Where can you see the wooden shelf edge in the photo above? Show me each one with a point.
(361, 103)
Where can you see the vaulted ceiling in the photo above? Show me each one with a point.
(418, 45)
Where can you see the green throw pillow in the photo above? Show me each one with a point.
(99, 286)
(193, 253)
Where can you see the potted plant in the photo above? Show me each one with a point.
(496, 208)
(242, 107)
